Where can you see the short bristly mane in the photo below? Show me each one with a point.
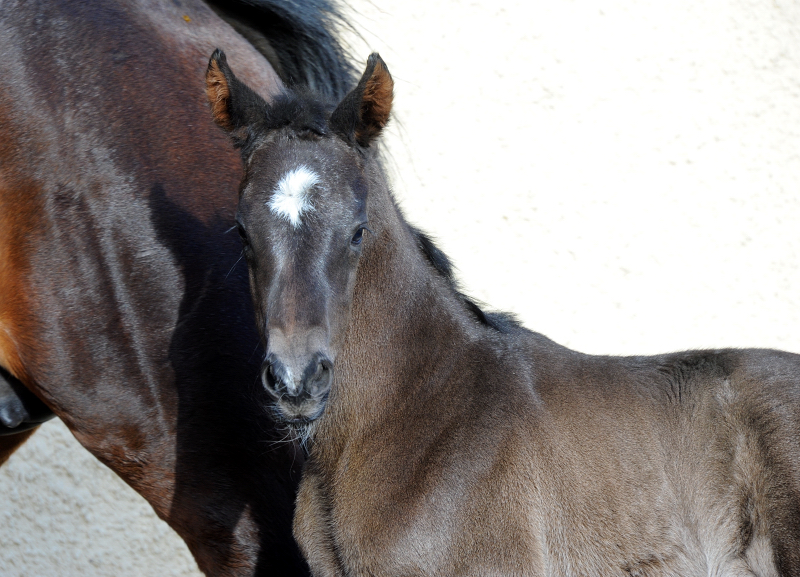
(499, 321)
(300, 111)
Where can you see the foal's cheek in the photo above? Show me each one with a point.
(259, 298)
(342, 292)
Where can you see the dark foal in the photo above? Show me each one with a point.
(124, 306)
(447, 441)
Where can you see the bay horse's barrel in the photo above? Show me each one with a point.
(124, 307)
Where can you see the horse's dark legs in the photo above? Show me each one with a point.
(10, 443)
(12, 409)
(20, 409)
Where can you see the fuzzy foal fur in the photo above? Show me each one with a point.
(458, 443)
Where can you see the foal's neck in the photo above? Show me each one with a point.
(406, 330)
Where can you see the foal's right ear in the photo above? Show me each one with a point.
(234, 105)
(364, 112)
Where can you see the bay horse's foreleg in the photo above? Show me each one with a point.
(21, 413)
(10, 443)
(12, 409)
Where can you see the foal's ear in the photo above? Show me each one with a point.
(234, 105)
(362, 114)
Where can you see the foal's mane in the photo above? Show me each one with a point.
(499, 321)
(306, 115)
(302, 112)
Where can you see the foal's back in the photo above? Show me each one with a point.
(681, 464)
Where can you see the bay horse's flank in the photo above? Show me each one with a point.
(123, 305)
(447, 441)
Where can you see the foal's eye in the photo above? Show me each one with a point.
(243, 235)
(356, 240)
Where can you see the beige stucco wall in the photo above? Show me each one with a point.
(622, 175)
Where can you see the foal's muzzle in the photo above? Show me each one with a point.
(298, 398)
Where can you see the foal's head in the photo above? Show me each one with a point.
(303, 213)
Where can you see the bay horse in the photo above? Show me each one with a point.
(124, 307)
(445, 440)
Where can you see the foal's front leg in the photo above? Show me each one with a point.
(312, 527)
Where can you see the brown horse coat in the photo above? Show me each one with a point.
(123, 302)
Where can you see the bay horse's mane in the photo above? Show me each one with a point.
(297, 40)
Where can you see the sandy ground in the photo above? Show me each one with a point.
(621, 175)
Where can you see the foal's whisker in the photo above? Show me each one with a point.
(254, 352)
(241, 256)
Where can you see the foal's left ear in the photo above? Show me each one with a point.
(234, 105)
(362, 114)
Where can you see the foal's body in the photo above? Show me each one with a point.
(456, 449)
(458, 443)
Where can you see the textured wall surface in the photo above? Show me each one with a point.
(621, 175)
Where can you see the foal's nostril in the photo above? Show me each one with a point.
(272, 376)
(319, 376)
